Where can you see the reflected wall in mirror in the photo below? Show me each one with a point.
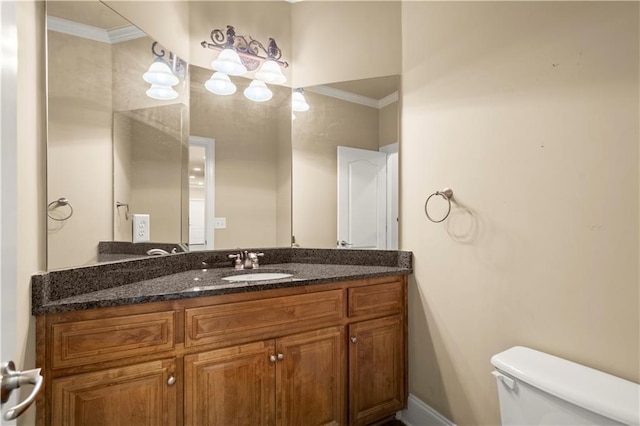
(252, 168)
(95, 62)
(352, 203)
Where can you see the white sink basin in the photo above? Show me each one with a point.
(259, 276)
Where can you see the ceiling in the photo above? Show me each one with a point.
(374, 88)
(92, 13)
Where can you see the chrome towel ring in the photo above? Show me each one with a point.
(447, 194)
(126, 208)
(60, 202)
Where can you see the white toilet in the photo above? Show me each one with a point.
(535, 388)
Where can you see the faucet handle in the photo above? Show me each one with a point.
(238, 260)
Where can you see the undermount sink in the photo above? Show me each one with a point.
(257, 276)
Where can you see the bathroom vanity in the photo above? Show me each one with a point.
(327, 346)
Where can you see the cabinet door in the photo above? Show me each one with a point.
(376, 369)
(231, 386)
(310, 383)
(141, 394)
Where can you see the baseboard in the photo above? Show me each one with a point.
(418, 413)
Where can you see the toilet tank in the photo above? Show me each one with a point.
(535, 388)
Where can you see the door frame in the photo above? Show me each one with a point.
(209, 145)
(393, 194)
(8, 186)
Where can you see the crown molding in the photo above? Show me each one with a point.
(388, 100)
(75, 29)
(354, 98)
(93, 33)
(127, 33)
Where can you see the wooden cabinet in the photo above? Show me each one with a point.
(294, 380)
(324, 354)
(231, 386)
(143, 394)
(310, 378)
(376, 369)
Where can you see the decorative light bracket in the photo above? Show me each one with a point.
(177, 65)
(251, 52)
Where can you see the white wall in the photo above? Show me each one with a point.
(529, 111)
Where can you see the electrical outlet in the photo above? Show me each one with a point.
(141, 230)
(220, 223)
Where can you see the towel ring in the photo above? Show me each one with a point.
(60, 202)
(447, 194)
(126, 208)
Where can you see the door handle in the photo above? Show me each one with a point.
(343, 243)
(11, 379)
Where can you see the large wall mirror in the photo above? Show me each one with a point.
(210, 171)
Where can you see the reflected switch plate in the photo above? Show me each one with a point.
(220, 223)
(141, 231)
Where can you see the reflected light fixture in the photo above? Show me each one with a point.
(162, 75)
(240, 54)
(258, 91)
(220, 84)
(298, 102)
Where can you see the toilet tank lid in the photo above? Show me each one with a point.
(593, 390)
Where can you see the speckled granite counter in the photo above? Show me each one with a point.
(197, 274)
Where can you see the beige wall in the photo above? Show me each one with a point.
(389, 124)
(341, 41)
(246, 156)
(79, 147)
(283, 178)
(122, 144)
(529, 111)
(164, 21)
(316, 135)
(31, 184)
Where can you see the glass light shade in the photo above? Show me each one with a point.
(270, 72)
(162, 93)
(228, 62)
(160, 74)
(220, 84)
(298, 103)
(258, 91)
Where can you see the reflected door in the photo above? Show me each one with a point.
(362, 204)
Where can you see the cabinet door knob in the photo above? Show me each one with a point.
(171, 381)
(280, 357)
(272, 358)
(354, 340)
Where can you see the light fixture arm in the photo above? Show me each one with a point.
(252, 52)
(177, 65)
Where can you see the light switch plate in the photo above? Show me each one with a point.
(220, 223)
(141, 230)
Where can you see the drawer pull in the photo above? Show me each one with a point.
(171, 381)
(354, 340)
(280, 357)
(272, 358)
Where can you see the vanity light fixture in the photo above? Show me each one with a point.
(240, 54)
(298, 102)
(162, 75)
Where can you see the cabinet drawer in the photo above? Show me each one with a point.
(380, 299)
(92, 341)
(260, 319)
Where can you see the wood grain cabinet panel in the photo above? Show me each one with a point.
(133, 395)
(380, 299)
(258, 319)
(311, 378)
(231, 386)
(87, 342)
(376, 369)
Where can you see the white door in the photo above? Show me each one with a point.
(8, 222)
(362, 198)
(196, 222)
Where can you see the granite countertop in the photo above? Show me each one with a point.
(188, 275)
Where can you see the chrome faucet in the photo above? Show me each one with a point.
(246, 260)
(160, 252)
